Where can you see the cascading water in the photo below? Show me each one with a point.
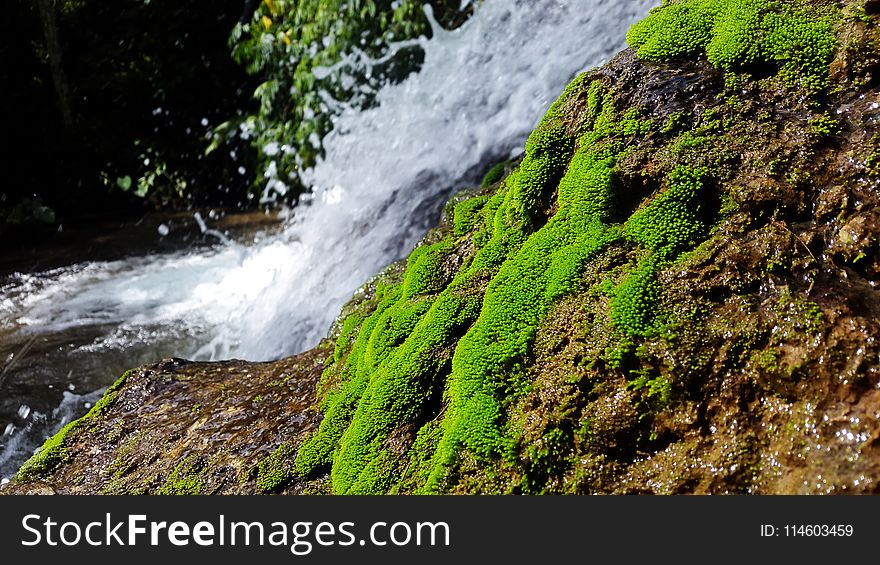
(387, 171)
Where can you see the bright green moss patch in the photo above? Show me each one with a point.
(424, 273)
(485, 367)
(631, 124)
(823, 125)
(464, 343)
(54, 451)
(671, 221)
(346, 334)
(467, 214)
(420, 455)
(433, 337)
(276, 469)
(668, 224)
(634, 304)
(187, 477)
(52, 454)
(387, 387)
(796, 38)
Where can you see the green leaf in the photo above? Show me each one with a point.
(124, 183)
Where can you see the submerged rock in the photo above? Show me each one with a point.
(674, 291)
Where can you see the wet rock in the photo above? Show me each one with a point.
(181, 427)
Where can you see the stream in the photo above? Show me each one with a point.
(69, 331)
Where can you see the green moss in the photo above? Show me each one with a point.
(463, 343)
(187, 477)
(424, 272)
(803, 314)
(386, 390)
(671, 222)
(631, 124)
(797, 37)
(635, 302)
(767, 360)
(675, 122)
(467, 214)
(123, 463)
(546, 458)
(494, 175)
(734, 81)
(485, 222)
(686, 142)
(276, 469)
(49, 457)
(420, 455)
(487, 362)
(347, 331)
(53, 452)
(657, 389)
(823, 125)
(872, 163)
(667, 225)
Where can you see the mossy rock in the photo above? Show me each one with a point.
(673, 291)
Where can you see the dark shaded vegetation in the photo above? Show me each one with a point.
(117, 108)
(108, 107)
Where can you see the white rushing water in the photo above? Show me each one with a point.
(481, 90)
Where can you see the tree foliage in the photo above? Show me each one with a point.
(146, 81)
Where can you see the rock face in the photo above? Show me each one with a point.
(674, 290)
(179, 427)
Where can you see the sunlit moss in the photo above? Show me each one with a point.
(795, 37)
(387, 390)
(467, 214)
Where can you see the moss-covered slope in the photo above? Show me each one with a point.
(674, 289)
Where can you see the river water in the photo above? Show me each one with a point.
(67, 333)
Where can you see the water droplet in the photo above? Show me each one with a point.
(24, 411)
(163, 230)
